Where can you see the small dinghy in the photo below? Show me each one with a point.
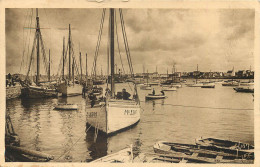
(66, 107)
(233, 145)
(244, 89)
(154, 97)
(170, 88)
(145, 87)
(123, 156)
(208, 85)
(206, 154)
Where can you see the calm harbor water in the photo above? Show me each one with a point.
(186, 114)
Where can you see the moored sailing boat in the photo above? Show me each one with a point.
(38, 90)
(68, 87)
(117, 114)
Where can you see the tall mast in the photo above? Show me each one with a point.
(69, 54)
(172, 72)
(112, 50)
(38, 48)
(86, 67)
(73, 66)
(80, 67)
(63, 58)
(49, 70)
(167, 73)
(197, 73)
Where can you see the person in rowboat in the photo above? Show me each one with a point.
(162, 92)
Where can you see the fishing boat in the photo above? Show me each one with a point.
(122, 156)
(177, 85)
(208, 154)
(230, 83)
(249, 83)
(198, 84)
(146, 86)
(68, 86)
(221, 143)
(66, 107)
(244, 89)
(116, 114)
(38, 90)
(169, 88)
(154, 82)
(208, 85)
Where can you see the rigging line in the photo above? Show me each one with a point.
(131, 64)
(120, 52)
(34, 43)
(108, 47)
(118, 45)
(44, 54)
(29, 38)
(98, 42)
(125, 42)
(219, 108)
(22, 62)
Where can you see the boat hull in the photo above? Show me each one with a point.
(114, 117)
(66, 107)
(70, 90)
(208, 86)
(169, 89)
(194, 85)
(244, 90)
(153, 97)
(38, 92)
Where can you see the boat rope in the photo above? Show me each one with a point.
(29, 38)
(108, 51)
(98, 42)
(31, 57)
(24, 44)
(218, 108)
(73, 144)
(126, 43)
(118, 45)
(120, 51)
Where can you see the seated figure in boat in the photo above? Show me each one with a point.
(123, 95)
(93, 99)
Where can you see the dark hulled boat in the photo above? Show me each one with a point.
(38, 90)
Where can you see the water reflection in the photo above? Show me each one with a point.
(55, 132)
(100, 147)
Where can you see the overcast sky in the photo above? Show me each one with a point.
(217, 40)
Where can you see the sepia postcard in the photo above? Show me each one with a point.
(89, 83)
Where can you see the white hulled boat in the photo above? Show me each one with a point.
(69, 87)
(116, 114)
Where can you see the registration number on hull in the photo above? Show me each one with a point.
(91, 114)
(130, 112)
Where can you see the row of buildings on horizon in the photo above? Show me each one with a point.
(231, 74)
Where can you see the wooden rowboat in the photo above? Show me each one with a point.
(208, 154)
(225, 144)
(153, 97)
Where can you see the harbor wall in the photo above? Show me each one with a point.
(13, 92)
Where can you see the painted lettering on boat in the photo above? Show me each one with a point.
(91, 114)
(130, 112)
